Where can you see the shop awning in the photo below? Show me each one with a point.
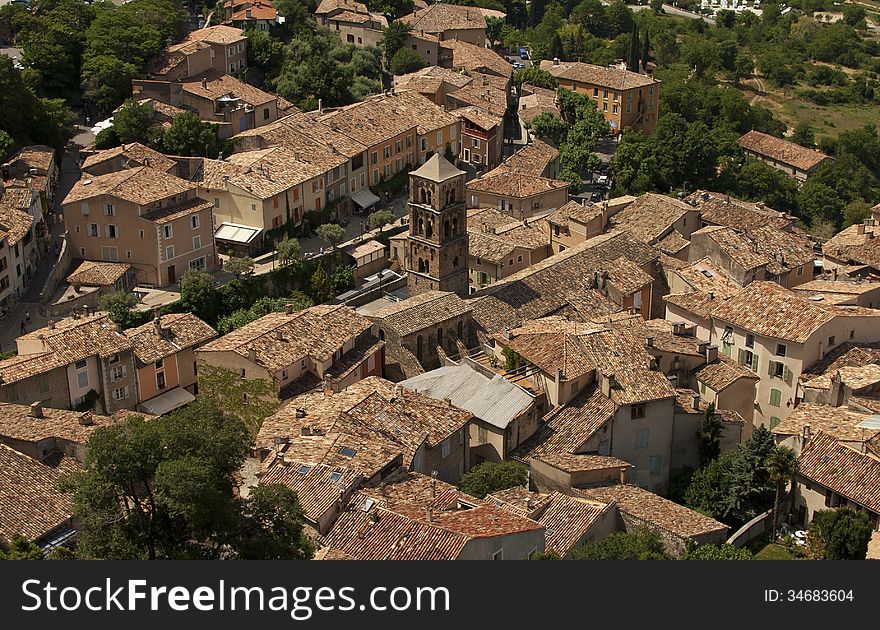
(365, 198)
(167, 402)
(234, 233)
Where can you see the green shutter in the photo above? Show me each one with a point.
(775, 397)
(742, 357)
(754, 363)
(770, 366)
(787, 375)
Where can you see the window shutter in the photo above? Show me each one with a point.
(125, 391)
(755, 363)
(787, 375)
(742, 357)
(770, 367)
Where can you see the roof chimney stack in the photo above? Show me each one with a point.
(36, 409)
(252, 354)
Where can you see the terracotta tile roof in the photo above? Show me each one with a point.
(672, 243)
(217, 35)
(164, 113)
(533, 158)
(781, 150)
(581, 462)
(281, 339)
(98, 274)
(567, 429)
(375, 120)
(699, 303)
(20, 367)
(558, 281)
(317, 486)
(478, 59)
(662, 333)
(723, 373)
(327, 6)
(767, 309)
(837, 287)
(30, 502)
(420, 312)
(489, 247)
(655, 510)
(575, 210)
(38, 156)
(177, 211)
(14, 223)
(567, 519)
(305, 135)
(530, 112)
(650, 216)
(73, 339)
(414, 80)
(531, 234)
(611, 77)
(737, 245)
(719, 209)
(851, 246)
(211, 85)
(439, 18)
(839, 423)
(141, 185)
(255, 12)
(135, 153)
(479, 117)
(268, 172)
(171, 334)
(378, 421)
(16, 423)
(508, 182)
(705, 276)
(847, 358)
(483, 95)
(520, 500)
(844, 470)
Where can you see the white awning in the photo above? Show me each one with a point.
(167, 402)
(365, 198)
(235, 233)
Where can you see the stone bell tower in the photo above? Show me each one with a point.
(437, 244)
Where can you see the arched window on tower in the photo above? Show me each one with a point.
(427, 267)
(446, 229)
(421, 266)
(421, 225)
(423, 195)
(455, 225)
(429, 231)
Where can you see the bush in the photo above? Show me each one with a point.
(107, 139)
(719, 552)
(841, 534)
(637, 545)
(490, 477)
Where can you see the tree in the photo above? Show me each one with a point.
(107, 138)
(394, 37)
(198, 295)
(494, 26)
(533, 75)
(239, 266)
(263, 306)
(331, 233)
(106, 81)
(190, 136)
(709, 436)
(163, 489)
(119, 307)
(380, 218)
(133, 122)
(841, 534)
(856, 212)
(20, 548)
(641, 544)
(719, 552)
(781, 465)
(248, 399)
(632, 63)
(646, 50)
(320, 285)
(289, 251)
(804, 134)
(406, 60)
(342, 279)
(743, 66)
(6, 144)
(657, 6)
(853, 14)
(490, 477)
(448, 154)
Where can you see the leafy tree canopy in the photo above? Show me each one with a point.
(490, 477)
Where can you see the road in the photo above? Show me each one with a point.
(668, 8)
(762, 91)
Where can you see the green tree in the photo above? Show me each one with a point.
(490, 477)
(533, 75)
(853, 14)
(106, 81)
(6, 144)
(406, 60)
(719, 552)
(190, 136)
(855, 212)
(331, 233)
(640, 544)
(342, 279)
(549, 555)
(198, 295)
(494, 26)
(163, 489)
(320, 285)
(394, 37)
(380, 218)
(657, 6)
(632, 63)
(119, 307)
(743, 66)
(20, 548)
(249, 400)
(289, 251)
(804, 134)
(239, 266)
(841, 534)
(782, 465)
(709, 436)
(133, 122)
(263, 306)
(646, 50)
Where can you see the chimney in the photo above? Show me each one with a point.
(36, 409)
(806, 432)
(555, 61)
(320, 106)
(328, 386)
(157, 324)
(252, 354)
(433, 488)
(430, 513)
(279, 335)
(860, 228)
(836, 393)
(759, 205)
(247, 13)
(306, 430)
(622, 475)
(701, 347)
(204, 83)
(711, 354)
(649, 341)
(696, 402)
(288, 309)
(51, 324)
(300, 412)
(87, 419)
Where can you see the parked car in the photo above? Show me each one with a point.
(596, 196)
(518, 66)
(602, 180)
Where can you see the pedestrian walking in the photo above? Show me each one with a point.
(27, 316)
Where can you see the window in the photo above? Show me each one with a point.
(84, 206)
(194, 221)
(109, 210)
(642, 438)
(482, 435)
(604, 94)
(781, 349)
(702, 388)
(615, 109)
(498, 555)
(637, 411)
(120, 393)
(604, 107)
(197, 264)
(386, 152)
(398, 146)
(445, 448)
(655, 465)
(748, 359)
(241, 372)
(169, 252)
(596, 92)
(43, 383)
(476, 143)
(830, 341)
(778, 370)
(142, 234)
(109, 254)
(774, 421)
(160, 380)
(750, 341)
(197, 242)
(852, 333)
(93, 230)
(82, 379)
(800, 270)
(117, 373)
(111, 231)
(775, 397)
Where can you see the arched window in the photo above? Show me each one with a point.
(419, 347)
(455, 263)
(421, 226)
(440, 337)
(381, 335)
(446, 229)
(455, 225)
(427, 267)
(423, 195)
(429, 231)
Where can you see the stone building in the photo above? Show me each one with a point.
(438, 237)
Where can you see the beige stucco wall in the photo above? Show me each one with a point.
(518, 208)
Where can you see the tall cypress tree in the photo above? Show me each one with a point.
(633, 63)
(646, 46)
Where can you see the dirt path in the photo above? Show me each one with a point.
(762, 91)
